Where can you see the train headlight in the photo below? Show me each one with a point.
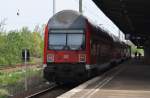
(50, 58)
(82, 58)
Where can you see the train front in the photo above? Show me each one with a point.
(64, 49)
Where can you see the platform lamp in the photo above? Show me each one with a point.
(80, 6)
(54, 6)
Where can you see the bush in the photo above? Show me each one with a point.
(3, 93)
(12, 43)
(13, 82)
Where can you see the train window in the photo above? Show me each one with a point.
(76, 41)
(57, 41)
(66, 40)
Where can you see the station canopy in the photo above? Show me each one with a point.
(131, 16)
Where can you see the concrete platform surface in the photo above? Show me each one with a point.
(128, 80)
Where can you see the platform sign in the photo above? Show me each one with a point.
(25, 59)
(25, 55)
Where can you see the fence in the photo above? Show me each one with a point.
(12, 81)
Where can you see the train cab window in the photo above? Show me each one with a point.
(57, 41)
(76, 41)
(67, 40)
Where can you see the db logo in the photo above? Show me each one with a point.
(66, 56)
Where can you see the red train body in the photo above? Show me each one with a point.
(74, 48)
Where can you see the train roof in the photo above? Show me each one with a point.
(69, 19)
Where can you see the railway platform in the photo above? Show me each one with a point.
(130, 79)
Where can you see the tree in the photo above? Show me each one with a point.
(12, 43)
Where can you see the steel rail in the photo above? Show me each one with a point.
(42, 92)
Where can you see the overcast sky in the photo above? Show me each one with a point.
(38, 12)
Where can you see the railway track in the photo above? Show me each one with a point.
(17, 67)
(40, 93)
(52, 92)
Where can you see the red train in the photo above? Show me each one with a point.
(75, 49)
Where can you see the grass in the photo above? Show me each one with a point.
(15, 80)
(33, 60)
(10, 78)
(3, 93)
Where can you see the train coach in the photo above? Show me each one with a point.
(75, 49)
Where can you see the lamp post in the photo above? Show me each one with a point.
(80, 6)
(54, 6)
(25, 58)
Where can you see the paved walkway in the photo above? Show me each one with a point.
(129, 80)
